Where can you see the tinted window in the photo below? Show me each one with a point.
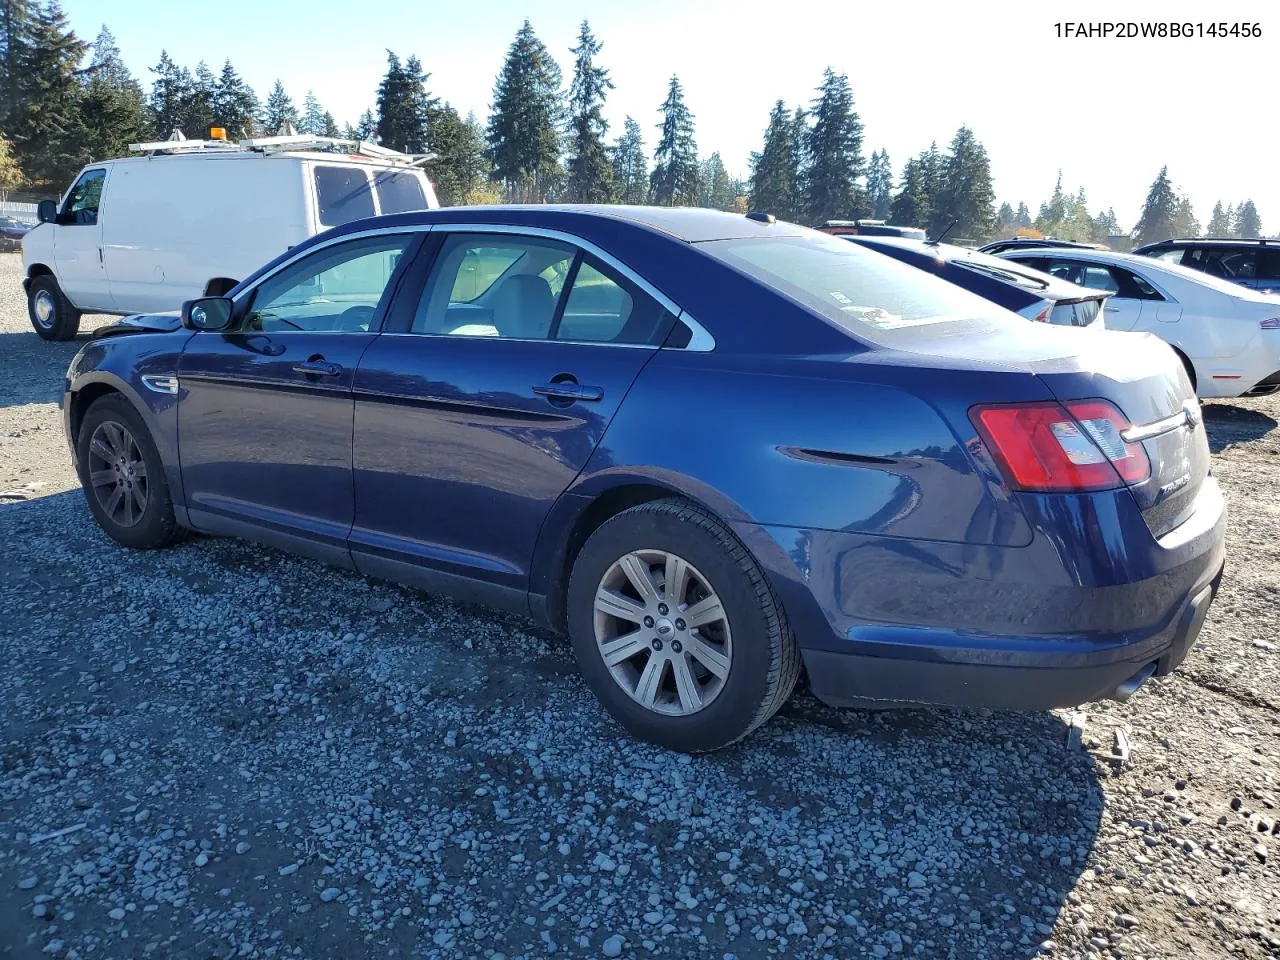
(399, 192)
(854, 288)
(342, 195)
(81, 208)
(1100, 278)
(604, 308)
(1228, 263)
(336, 289)
(1133, 286)
(1171, 255)
(1269, 268)
(494, 286)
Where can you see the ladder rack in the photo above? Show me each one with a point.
(288, 143)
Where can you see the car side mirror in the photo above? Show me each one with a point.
(46, 211)
(207, 313)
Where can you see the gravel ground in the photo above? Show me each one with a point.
(220, 750)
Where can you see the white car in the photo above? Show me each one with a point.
(192, 218)
(1228, 336)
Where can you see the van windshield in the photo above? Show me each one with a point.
(399, 192)
(342, 195)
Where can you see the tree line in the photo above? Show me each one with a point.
(540, 142)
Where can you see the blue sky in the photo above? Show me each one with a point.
(1108, 112)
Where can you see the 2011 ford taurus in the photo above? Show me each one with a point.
(715, 449)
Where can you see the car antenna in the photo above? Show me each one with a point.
(938, 239)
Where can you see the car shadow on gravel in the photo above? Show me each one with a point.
(31, 369)
(1228, 424)
(459, 789)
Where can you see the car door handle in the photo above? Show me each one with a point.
(569, 391)
(318, 368)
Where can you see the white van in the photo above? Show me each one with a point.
(192, 218)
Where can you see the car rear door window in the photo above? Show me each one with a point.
(488, 285)
(1100, 278)
(399, 191)
(342, 195)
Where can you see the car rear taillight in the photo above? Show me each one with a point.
(1059, 447)
(1044, 315)
(1271, 323)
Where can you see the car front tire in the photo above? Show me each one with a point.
(123, 477)
(51, 313)
(676, 629)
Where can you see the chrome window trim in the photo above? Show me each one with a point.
(700, 341)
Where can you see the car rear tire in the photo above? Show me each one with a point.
(676, 629)
(123, 477)
(51, 313)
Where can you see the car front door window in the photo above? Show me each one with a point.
(334, 290)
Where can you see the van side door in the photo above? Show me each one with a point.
(77, 242)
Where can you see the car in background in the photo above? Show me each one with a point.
(1228, 336)
(1027, 292)
(12, 230)
(712, 448)
(1028, 243)
(870, 228)
(1250, 263)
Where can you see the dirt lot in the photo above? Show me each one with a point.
(219, 750)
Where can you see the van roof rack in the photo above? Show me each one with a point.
(177, 143)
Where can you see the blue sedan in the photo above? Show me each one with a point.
(715, 450)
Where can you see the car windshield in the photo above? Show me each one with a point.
(866, 293)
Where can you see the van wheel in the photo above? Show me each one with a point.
(676, 630)
(51, 313)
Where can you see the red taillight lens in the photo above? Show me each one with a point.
(1048, 446)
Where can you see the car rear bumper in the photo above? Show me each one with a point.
(989, 677)
(890, 622)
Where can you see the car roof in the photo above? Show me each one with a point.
(1208, 241)
(690, 224)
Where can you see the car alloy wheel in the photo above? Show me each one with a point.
(662, 632)
(44, 309)
(118, 473)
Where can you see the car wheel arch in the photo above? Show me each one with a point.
(39, 270)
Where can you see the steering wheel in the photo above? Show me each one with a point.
(356, 318)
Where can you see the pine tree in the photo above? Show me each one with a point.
(1157, 220)
(910, 208)
(236, 106)
(716, 189)
(47, 133)
(112, 107)
(1219, 222)
(201, 107)
(630, 165)
(1185, 223)
(674, 181)
(170, 92)
(967, 196)
(775, 174)
(1248, 225)
(1105, 225)
(1022, 219)
(590, 172)
(527, 108)
(880, 184)
(834, 151)
(278, 111)
(312, 119)
(11, 177)
(367, 128)
(16, 19)
(459, 166)
(330, 126)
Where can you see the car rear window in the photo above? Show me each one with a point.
(342, 195)
(866, 293)
(399, 192)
